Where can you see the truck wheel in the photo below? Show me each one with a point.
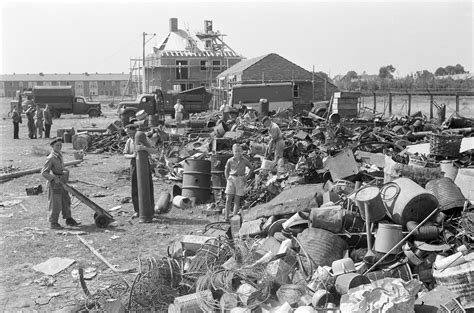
(101, 221)
(55, 114)
(94, 113)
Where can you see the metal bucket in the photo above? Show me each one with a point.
(153, 120)
(197, 124)
(413, 202)
(182, 202)
(67, 137)
(218, 162)
(371, 196)
(348, 281)
(388, 236)
(328, 218)
(197, 180)
(448, 194)
(258, 148)
(321, 245)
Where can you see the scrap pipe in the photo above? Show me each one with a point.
(453, 130)
(145, 206)
(402, 241)
(32, 171)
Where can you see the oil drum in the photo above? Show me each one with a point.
(218, 162)
(197, 180)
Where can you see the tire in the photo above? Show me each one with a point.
(55, 114)
(101, 221)
(94, 113)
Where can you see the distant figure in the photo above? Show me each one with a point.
(242, 108)
(178, 112)
(48, 121)
(30, 113)
(276, 141)
(16, 117)
(225, 109)
(39, 121)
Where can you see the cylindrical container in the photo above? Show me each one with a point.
(343, 187)
(371, 196)
(181, 202)
(328, 218)
(235, 225)
(197, 180)
(321, 297)
(162, 205)
(67, 137)
(465, 181)
(263, 107)
(145, 186)
(258, 148)
(449, 169)
(81, 141)
(197, 124)
(410, 203)
(191, 302)
(424, 233)
(321, 245)
(388, 235)
(343, 266)
(348, 281)
(267, 164)
(448, 194)
(153, 120)
(218, 162)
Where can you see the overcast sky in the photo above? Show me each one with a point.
(335, 37)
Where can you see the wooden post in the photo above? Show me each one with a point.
(431, 106)
(457, 103)
(375, 103)
(409, 104)
(390, 104)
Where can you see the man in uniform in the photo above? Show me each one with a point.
(59, 200)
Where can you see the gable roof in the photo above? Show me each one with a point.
(242, 66)
(300, 73)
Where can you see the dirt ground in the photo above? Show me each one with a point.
(26, 240)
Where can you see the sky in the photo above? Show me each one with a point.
(334, 37)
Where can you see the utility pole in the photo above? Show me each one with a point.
(145, 81)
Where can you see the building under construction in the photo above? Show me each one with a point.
(183, 60)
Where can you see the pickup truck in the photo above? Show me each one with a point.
(61, 100)
(194, 101)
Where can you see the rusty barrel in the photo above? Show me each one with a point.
(218, 162)
(197, 180)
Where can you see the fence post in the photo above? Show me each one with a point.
(457, 103)
(390, 104)
(409, 104)
(431, 106)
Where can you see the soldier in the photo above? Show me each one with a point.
(39, 121)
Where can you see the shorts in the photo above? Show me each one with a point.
(235, 186)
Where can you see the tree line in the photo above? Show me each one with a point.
(423, 79)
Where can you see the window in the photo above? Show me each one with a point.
(103, 83)
(203, 65)
(11, 84)
(296, 91)
(181, 69)
(20, 84)
(190, 86)
(216, 65)
(79, 100)
(113, 83)
(183, 87)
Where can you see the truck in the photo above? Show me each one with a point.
(158, 103)
(62, 100)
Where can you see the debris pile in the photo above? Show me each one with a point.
(361, 215)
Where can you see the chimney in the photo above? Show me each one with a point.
(207, 26)
(173, 24)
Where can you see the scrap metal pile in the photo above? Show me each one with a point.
(363, 215)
